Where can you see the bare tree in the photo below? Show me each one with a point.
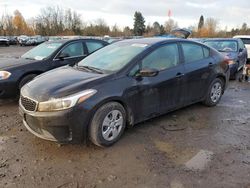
(170, 25)
(211, 25)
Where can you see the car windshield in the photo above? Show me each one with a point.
(112, 58)
(42, 51)
(223, 45)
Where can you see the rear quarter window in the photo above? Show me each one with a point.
(193, 52)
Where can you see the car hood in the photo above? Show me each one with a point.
(13, 62)
(230, 55)
(59, 83)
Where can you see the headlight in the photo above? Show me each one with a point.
(65, 103)
(4, 75)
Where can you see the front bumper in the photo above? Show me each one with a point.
(67, 126)
(8, 89)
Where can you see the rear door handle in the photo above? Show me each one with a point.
(210, 64)
(179, 75)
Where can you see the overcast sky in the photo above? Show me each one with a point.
(230, 13)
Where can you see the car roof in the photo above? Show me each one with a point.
(150, 41)
(242, 36)
(220, 39)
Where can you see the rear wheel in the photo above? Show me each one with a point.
(214, 93)
(108, 124)
(26, 79)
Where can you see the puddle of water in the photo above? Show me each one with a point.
(234, 133)
(178, 156)
(191, 158)
(200, 160)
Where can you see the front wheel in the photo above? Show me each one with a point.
(108, 124)
(214, 93)
(26, 79)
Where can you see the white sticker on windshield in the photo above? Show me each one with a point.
(39, 58)
(140, 45)
(52, 47)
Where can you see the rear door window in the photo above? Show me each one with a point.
(93, 46)
(193, 52)
(162, 58)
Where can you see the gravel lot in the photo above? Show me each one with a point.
(193, 147)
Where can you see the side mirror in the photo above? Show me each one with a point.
(62, 56)
(241, 50)
(147, 72)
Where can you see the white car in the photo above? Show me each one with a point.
(246, 41)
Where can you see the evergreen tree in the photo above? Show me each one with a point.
(156, 28)
(139, 24)
(201, 22)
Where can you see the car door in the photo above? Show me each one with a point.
(70, 54)
(242, 53)
(156, 95)
(199, 67)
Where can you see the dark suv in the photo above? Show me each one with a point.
(15, 72)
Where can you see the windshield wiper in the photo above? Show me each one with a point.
(30, 58)
(92, 69)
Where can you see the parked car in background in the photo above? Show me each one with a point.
(246, 41)
(122, 84)
(22, 39)
(55, 38)
(233, 49)
(35, 40)
(15, 72)
(12, 40)
(4, 41)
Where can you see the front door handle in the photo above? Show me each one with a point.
(179, 75)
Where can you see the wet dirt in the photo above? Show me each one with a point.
(151, 154)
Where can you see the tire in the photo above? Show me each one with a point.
(110, 119)
(214, 93)
(26, 79)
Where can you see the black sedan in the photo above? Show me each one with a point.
(121, 85)
(15, 72)
(233, 49)
(4, 41)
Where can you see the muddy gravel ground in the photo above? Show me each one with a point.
(193, 147)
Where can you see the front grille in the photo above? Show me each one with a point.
(28, 104)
